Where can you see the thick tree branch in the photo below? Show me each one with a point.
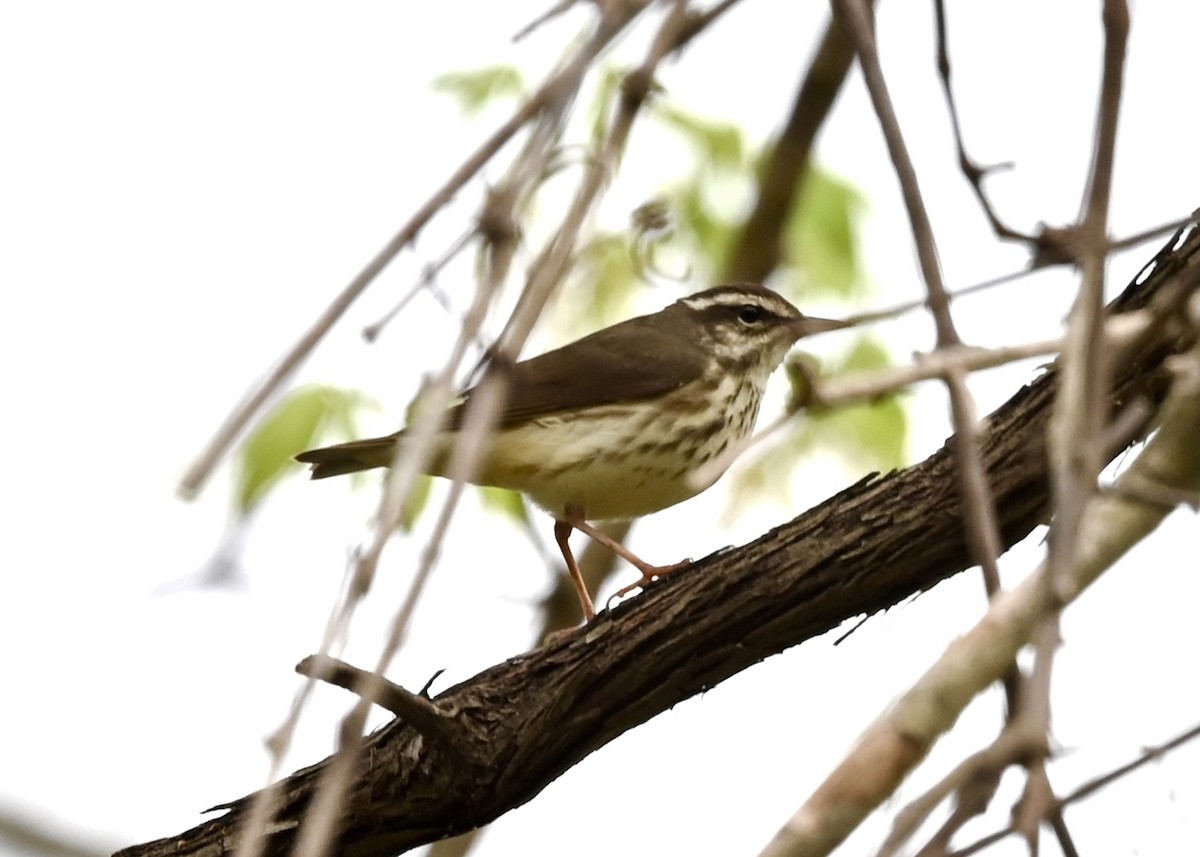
(524, 722)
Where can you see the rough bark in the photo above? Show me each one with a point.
(506, 733)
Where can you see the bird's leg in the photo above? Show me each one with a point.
(649, 572)
(562, 532)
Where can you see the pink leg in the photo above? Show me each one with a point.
(649, 572)
(562, 532)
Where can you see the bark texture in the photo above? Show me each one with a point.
(500, 737)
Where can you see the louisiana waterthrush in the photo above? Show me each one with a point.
(612, 425)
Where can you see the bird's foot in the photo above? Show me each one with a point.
(649, 573)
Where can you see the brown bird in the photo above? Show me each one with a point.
(610, 427)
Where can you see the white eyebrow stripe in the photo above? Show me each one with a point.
(701, 303)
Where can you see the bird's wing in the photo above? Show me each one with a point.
(623, 363)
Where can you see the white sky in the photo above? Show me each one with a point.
(182, 187)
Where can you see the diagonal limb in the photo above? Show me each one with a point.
(562, 533)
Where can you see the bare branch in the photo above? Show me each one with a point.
(974, 779)
(1151, 754)
(1003, 279)
(978, 512)
(526, 721)
(894, 744)
(410, 707)
(563, 79)
(973, 173)
(1080, 412)
(22, 834)
(867, 386)
(559, 8)
(546, 275)
(758, 248)
(429, 275)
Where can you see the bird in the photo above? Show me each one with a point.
(612, 425)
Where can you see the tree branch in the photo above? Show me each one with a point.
(1150, 754)
(903, 735)
(550, 93)
(524, 722)
(758, 249)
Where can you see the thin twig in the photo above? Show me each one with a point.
(1023, 741)
(428, 276)
(546, 17)
(550, 91)
(904, 307)
(1034, 716)
(978, 512)
(979, 772)
(551, 266)
(551, 97)
(547, 274)
(1151, 754)
(903, 735)
(868, 386)
(1079, 413)
(409, 707)
(411, 460)
(974, 173)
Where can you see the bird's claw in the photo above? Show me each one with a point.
(649, 573)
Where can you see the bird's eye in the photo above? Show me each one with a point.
(749, 314)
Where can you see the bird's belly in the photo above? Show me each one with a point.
(615, 462)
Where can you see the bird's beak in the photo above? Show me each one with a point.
(807, 325)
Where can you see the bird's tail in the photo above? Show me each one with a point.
(350, 457)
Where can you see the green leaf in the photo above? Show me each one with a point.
(603, 280)
(866, 354)
(869, 435)
(507, 503)
(291, 427)
(719, 143)
(801, 367)
(600, 109)
(476, 88)
(821, 239)
(415, 503)
(866, 436)
(711, 235)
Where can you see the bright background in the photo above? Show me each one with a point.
(184, 186)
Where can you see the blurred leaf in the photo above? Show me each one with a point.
(600, 110)
(476, 88)
(821, 241)
(711, 235)
(719, 143)
(415, 503)
(423, 398)
(801, 368)
(871, 435)
(769, 471)
(867, 436)
(507, 503)
(291, 427)
(604, 278)
(866, 354)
